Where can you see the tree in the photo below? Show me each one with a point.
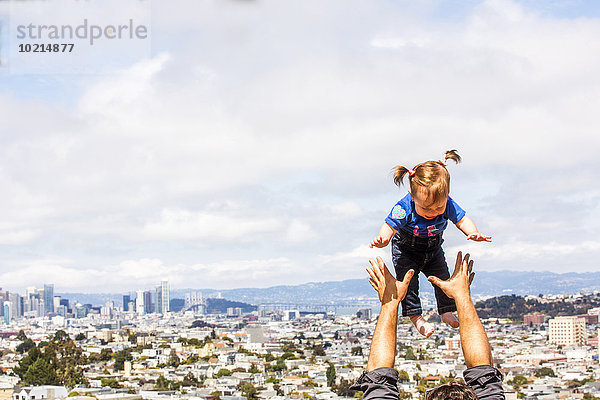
(25, 346)
(356, 351)
(248, 390)
(41, 373)
(318, 350)
(105, 355)
(32, 355)
(110, 382)
(403, 376)
(120, 357)
(173, 359)
(223, 372)
(518, 381)
(545, 371)
(162, 383)
(60, 336)
(80, 336)
(190, 380)
(410, 354)
(21, 336)
(330, 373)
(254, 369)
(343, 389)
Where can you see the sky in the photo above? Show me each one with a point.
(253, 146)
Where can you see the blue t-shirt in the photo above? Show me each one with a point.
(403, 216)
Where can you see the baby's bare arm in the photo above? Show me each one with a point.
(383, 237)
(467, 226)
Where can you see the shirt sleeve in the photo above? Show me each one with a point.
(397, 217)
(453, 210)
(486, 381)
(380, 383)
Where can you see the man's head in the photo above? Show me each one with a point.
(451, 391)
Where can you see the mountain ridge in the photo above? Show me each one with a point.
(351, 291)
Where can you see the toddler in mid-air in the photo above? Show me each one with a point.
(415, 226)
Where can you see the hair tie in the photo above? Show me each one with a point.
(443, 162)
(411, 172)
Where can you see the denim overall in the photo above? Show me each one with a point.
(422, 254)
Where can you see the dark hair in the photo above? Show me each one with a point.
(430, 177)
(451, 391)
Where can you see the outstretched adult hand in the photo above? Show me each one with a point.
(459, 283)
(387, 287)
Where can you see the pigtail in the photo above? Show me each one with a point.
(399, 173)
(452, 155)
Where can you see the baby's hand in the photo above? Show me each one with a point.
(379, 242)
(478, 237)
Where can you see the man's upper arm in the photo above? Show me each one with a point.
(486, 381)
(380, 383)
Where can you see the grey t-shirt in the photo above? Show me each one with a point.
(382, 383)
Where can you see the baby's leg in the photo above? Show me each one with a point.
(423, 327)
(437, 266)
(411, 305)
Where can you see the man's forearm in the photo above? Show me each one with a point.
(474, 341)
(383, 345)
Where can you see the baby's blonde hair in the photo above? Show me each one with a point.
(430, 178)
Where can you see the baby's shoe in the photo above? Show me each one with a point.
(423, 327)
(450, 319)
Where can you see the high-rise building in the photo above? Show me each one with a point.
(139, 302)
(162, 298)
(567, 331)
(3, 298)
(364, 313)
(148, 302)
(16, 302)
(7, 312)
(126, 301)
(535, 318)
(49, 298)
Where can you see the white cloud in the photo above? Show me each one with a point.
(175, 224)
(299, 231)
(201, 145)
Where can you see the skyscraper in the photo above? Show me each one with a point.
(139, 302)
(162, 298)
(148, 302)
(49, 298)
(126, 300)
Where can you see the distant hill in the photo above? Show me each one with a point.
(486, 284)
(514, 307)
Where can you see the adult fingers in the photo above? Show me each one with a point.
(372, 275)
(465, 263)
(470, 266)
(382, 268)
(407, 277)
(436, 281)
(457, 264)
(471, 276)
(375, 269)
(372, 282)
